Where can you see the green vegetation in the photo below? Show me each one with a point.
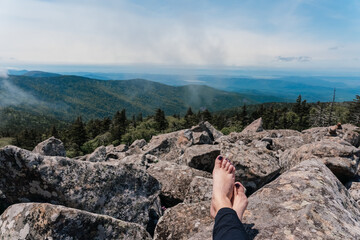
(82, 137)
(6, 141)
(66, 97)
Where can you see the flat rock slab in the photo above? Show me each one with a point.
(124, 191)
(340, 157)
(183, 221)
(307, 202)
(47, 221)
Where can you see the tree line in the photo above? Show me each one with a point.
(82, 137)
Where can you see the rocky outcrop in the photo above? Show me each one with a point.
(348, 132)
(183, 221)
(307, 202)
(201, 157)
(175, 180)
(51, 147)
(47, 221)
(121, 190)
(341, 157)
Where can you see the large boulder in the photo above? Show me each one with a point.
(255, 126)
(208, 129)
(115, 188)
(255, 166)
(307, 202)
(347, 132)
(51, 147)
(170, 146)
(341, 157)
(175, 180)
(183, 221)
(201, 157)
(47, 221)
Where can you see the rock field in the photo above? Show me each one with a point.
(300, 185)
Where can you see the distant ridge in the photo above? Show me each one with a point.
(40, 74)
(66, 97)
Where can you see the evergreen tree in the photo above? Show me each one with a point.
(160, 120)
(119, 125)
(78, 132)
(244, 116)
(354, 111)
(205, 115)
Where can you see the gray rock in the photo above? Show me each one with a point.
(121, 190)
(51, 147)
(200, 189)
(201, 157)
(183, 221)
(175, 180)
(201, 138)
(255, 126)
(207, 127)
(99, 155)
(355, 191)
(168, 147)
(138, 143)
(307, 202)
(340, 157)
(284, 143)
(47, 221)
(255, 166)
(348, 132)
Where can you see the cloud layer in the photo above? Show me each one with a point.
(205, 33)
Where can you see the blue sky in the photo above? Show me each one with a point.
(261, 34)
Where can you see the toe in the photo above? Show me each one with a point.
(223, 163)
(218, 161)
(232, 169)
(227, 166)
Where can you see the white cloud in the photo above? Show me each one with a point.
(118, 32)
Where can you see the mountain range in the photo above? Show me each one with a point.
(67, 96)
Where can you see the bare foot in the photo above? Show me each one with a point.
(240, 201)
(223, 185)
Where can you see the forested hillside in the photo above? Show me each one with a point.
(66, 97)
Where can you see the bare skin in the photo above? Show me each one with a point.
(223, 185)
(240, 200)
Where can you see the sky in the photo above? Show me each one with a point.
(228, 34)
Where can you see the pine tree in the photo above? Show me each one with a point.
(244, 116)
(160, 120)
(118, 125)
(78, 132)
(354, 111)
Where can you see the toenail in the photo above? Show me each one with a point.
(227, 159)
(220, 158)
(237, 185)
